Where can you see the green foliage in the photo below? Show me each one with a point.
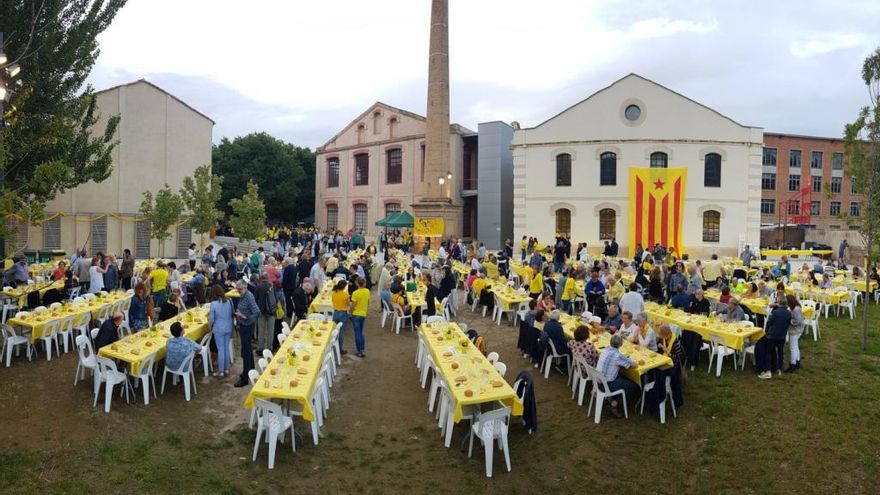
(248, 219)
(284, 173)
(162, 212)
(200, 194)
(54, 139)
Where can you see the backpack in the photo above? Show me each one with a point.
(267, 302)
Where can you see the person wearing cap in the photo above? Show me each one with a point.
(177, 347)
(609, 364)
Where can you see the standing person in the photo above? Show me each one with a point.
(159, 284)
(138, 317)
(192, 255)
(96, 276)
(341, 305)
(778, 324)
(111, 275)
(795, 330)
(126, 270)
(288, 283)
(246, 314)
(264, 295)
(536, 284)
(615, 248)
(81, 269)
(220, 317)
(430, 294)
(360, 301)
(842, 251)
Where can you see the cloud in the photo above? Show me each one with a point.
(828, 43)
(663, 26)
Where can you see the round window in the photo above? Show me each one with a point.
(632, 113)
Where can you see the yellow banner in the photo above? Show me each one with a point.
(428, 227)
(656, 208)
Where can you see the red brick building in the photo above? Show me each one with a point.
(804, 181)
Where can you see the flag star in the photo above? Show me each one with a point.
(658, 184)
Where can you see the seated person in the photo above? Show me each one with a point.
(198, 279)
(725, 295)
(546, 302)
(109, 331)
(613, 321)
(609, 364)
(582, 347)
(399, 299)
(645, 335)
(553, 332)
(751, 291)
(177, 347)
(700, 305)
(733, 312)
(681, 300)
(627, 327)
(60, 271)
(172, 307)
(532, 313)
(70, 283)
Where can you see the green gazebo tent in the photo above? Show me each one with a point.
(399, 220)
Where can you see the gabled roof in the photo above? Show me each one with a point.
(457, 128)
(634, 75)
(144, 81)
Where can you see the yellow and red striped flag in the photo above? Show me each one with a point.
(656, 207)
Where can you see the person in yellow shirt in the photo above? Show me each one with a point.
(536, 285)
(479, 284)
(360, 301)
(615, 289)
(523, 248)
(159, 284)
(341, 305)
(571, 291)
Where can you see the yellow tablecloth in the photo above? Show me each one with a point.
(508, 296)
(479, 376)
(795, 252)
(322, 303)
(734, 335)
(645, 358)
(416, 298)
(756, 305)
(21, 292)
(134, 348)
(308, 340)
(36, 322)
(461, 269)
(834, 296)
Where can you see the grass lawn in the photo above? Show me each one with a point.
(813, 432)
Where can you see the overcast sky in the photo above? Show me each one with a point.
(303, 69)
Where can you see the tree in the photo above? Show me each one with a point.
(862, 146)
(52, 140)
(162, 214)
(200, 194)
(284, 173)
(248, 219)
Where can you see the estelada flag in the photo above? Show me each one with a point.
(656, 207)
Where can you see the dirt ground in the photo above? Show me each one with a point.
(814, 431)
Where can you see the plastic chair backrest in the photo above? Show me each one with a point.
(385, 306)
(84, 348)
(552, 347)
(435, 319)
(40, 309)
(492, 357)
(50, 328)
(317, 317)
(501, 367)
(717, 340)
(21, 314)
(598, 379)
(253, 376)
(581, 366)
(186, 364)
(267, 354)
(269, 408)
(55, 305)
(94, 333)
(8, 332)
(262, 364)
(146, 366)
(105, 364)
(489, 419)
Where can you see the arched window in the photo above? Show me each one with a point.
(607, 224)
(360, 217)
(333, 172)
(392, 208)
(659, 160)
(332, 217)
(608, 169)
(377, 115)
(563, 169)
(392, 123)
(362, 128)
(563, 221)
(361, 169)
(711, 226)
(712, 170)
(394, 166)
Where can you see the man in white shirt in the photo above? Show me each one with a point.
(317, 274)
(441, 254)
(632, 301)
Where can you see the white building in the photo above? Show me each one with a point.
(637, 123)
(161, 140)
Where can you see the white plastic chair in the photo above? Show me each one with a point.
(667, 383)
(262, 364)
(492, 357)
(435, 319)
(123, 306)
(551, 356)
(501, 367)
(49, 337)
(81, 324)
(253, 376)
(10, 305)
(86, 360)
(110, 377)
(316, 317)
(811, 322)
(488, 427)
(718, 350)
(11, 341)
(205, 353)
(268, 355)
(147, 376)
(74, 293)
(185, 371)
(579, 379)
(501, 309)
(65, 331)
(400, 318)
(849, 304)
(272, 420)
(386, 312)
(601, 392)
(281, 337)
